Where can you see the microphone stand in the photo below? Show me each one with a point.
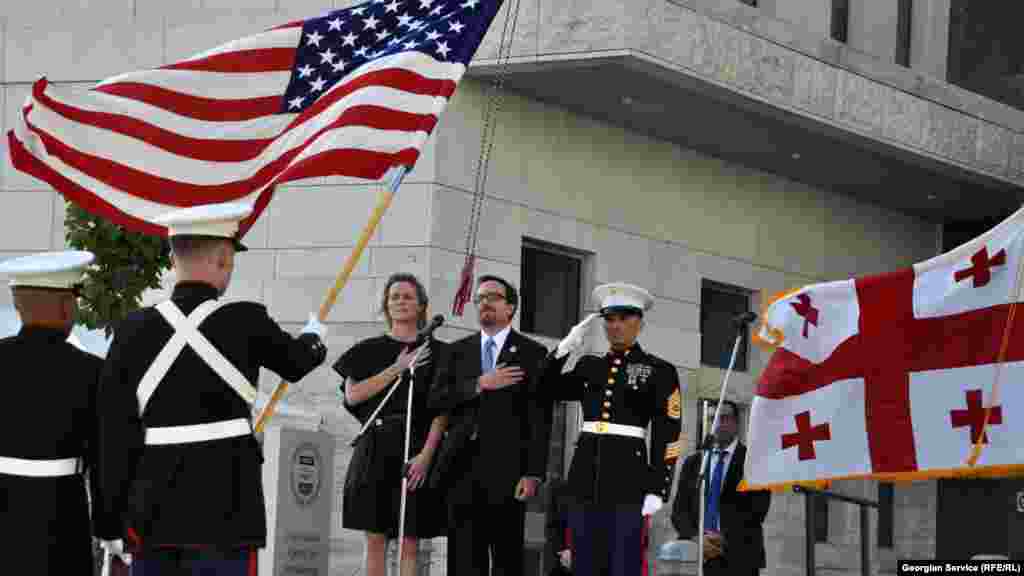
(706, 450)
(405, 458)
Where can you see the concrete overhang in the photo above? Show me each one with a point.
(743, 87)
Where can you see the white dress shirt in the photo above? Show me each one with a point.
(499, 341)
(727, 455)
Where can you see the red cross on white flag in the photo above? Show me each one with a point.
(896, 373)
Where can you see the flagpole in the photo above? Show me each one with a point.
(739, 323)
(394, 175)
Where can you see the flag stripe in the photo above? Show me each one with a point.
(396, 78)
(135, 139)
(286, 36)
(212, 85)
(243, 61)
(137, 213)
(437, 80)
(196, 106)
(165, 190)
(296, 24)
(115, 107)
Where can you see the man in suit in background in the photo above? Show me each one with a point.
(495, 452)
(732, 536)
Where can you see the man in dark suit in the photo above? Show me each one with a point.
(495, 452)
(733, 536)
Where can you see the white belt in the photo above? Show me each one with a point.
(39, 468)
(611, 428)
(198, 432)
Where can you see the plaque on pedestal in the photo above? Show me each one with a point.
(298, 481)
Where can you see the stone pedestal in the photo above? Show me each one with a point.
(297, 482)
(423, 558)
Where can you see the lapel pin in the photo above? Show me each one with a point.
(512, 349)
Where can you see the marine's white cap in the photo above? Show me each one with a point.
(216, 220)
(621, 297)
(55, 270)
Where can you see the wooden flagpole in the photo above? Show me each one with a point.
(395, 176)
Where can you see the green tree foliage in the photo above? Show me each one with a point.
(127, 264)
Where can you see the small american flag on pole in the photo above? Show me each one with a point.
(350, 93)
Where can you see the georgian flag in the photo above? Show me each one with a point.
(893, 376)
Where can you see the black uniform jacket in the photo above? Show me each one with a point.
(634, 389)
(200, 493)
(513, 424)
(741, 514)
(49, 394)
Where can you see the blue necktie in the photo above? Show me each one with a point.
(714, 493)
(487, 364)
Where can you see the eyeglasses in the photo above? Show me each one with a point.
(488, 297)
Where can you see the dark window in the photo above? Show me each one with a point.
(986, 49)
(550, 288)
(820, 519)
(750, 2)
(956, 233)
(719, 305)
(886, 516)
(904, 8)
(840, 20)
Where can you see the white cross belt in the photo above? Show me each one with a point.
(39, 468)
(186, 332)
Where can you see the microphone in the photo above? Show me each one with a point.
(425, 333)
(708, 443)
(744, 319)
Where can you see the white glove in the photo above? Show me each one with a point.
(565, 559)
(574, 341)
(652, 504)
(116, 548)
(315, 327)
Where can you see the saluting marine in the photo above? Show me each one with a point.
(45, 520)
(179, 464)
(613, 482)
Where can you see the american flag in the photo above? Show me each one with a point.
(351, 93)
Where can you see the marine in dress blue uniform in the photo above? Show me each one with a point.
(48, 437)
(179, 464)
(614, 481)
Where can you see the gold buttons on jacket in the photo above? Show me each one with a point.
(617, 361)
(607, 392)
(614, 369)
(605, 416)
(607, 404)
(611, 380)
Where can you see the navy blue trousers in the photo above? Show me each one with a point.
(606, 541)
(195, 562)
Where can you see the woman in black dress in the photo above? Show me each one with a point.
(373, 482)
